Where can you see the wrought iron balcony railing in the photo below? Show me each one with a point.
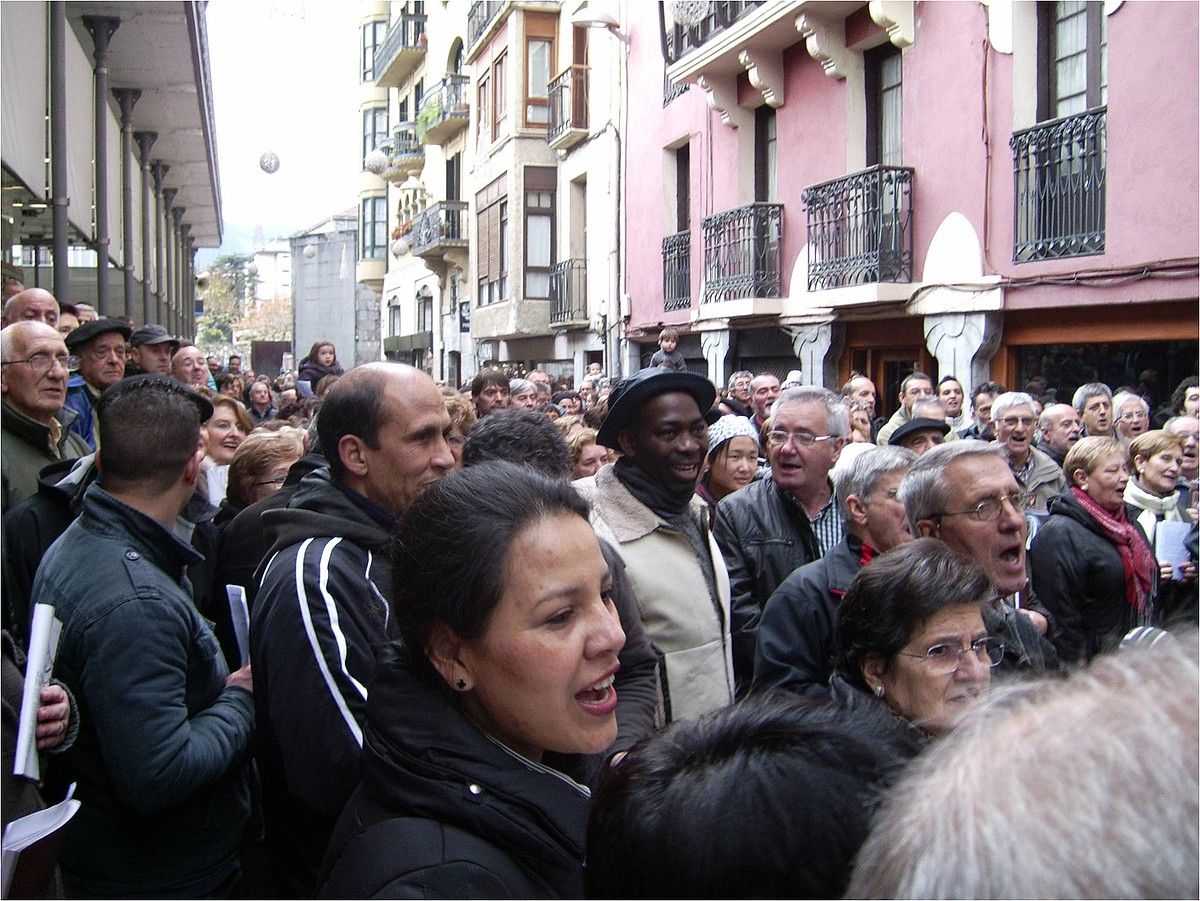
(406, 38)
(741, 252)
(677, 271)
(407, 152)
(860, 228)
(679, 40)
(1059, 187)
(568, 102)
(568, 292)
(673, 89)
(479, 17)
(441, 227)
(444, 109)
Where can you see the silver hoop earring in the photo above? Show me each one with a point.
(879, 691)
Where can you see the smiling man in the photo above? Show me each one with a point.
(320, 614)
(33, 380)
(100, 347)
(965, 494)
(787, 518)
(1015, 425)
(646, 507)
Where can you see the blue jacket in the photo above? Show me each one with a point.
(163, 746)
(79, 399)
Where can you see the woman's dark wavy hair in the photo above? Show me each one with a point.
(450, 549)
(895, 594)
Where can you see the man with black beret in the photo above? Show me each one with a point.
(645, 506)
(921, 433)
(100, 347)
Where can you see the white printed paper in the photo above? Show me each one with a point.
(1169, 537)
(24, 831)
(240, 613)
(44, 633)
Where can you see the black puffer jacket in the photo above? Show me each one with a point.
(443, 811)
(1077, 574)
(763, 536)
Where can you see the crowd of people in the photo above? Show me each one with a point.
(648, 638)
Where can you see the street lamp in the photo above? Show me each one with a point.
(587, 17)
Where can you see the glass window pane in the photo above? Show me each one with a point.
(537, 284)
(538, 68)
(537, 241)
(539, 115)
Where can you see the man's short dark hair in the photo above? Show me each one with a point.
(993, 388)
(519, 436)
(486, 377)
(149, 430)
(791, 783)
(352, 407)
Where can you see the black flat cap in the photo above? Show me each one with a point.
(95, 328)
(628, 396)
(153, 380)
(152, 334)
(918, 424)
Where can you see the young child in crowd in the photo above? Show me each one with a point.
(667, 357)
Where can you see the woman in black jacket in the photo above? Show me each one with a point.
(510, 645)
(1091, 564)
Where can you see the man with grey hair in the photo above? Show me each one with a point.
(1031, 797)
(32, 304)
(1188, 430)
(1093, 403)
(737, 400)
(794, 648)
(787, 518)
(1013, 421)
(37, 428)
(1058, 430)
(965, 494)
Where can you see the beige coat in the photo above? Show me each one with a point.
(689, 632)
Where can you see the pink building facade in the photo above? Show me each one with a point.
(994, 191)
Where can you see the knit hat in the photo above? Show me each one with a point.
(728, 427)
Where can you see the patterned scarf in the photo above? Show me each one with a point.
(1136, 559)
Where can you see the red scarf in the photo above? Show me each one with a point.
(1138, 562)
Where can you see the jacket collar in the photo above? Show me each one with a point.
(34, 432)
(628, 517)
(158, 545)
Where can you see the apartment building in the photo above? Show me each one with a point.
(994, 190)
(107, 139)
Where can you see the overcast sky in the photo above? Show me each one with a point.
(285, 78)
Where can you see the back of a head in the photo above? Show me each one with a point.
(519, 436)
(1079, 788)
(149, 430)
(768, 798)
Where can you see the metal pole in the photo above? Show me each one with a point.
(126, 98)
(159, 170)
(169, 294)
(58, 149)
(102, 29)
(177, 312)
(145, 140)
(187, 283)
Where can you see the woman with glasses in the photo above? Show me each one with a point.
(1091, 563)
(910, 635)
(1132, 416)
(259, 467)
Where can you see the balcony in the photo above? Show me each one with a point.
(439, 229)
(401, 51)
(479, 17)
(407, 155)
(444, 110)
(860, 229)
(677, 271)
(568, 108)
(1059, 187)
(741, 256)
(678, 40)
(568, 292)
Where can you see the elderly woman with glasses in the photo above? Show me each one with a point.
(1131, 415)
(910, 635)
(1092, 565)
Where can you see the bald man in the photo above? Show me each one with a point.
(32, 304)
(320, 613)
(37, 430)
(188, 366)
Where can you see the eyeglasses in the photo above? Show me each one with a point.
(802, 439)
(1013, 421)
(988, 509)
(279, 481)
(44, 362)
(1133, 415)
(944, 659)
